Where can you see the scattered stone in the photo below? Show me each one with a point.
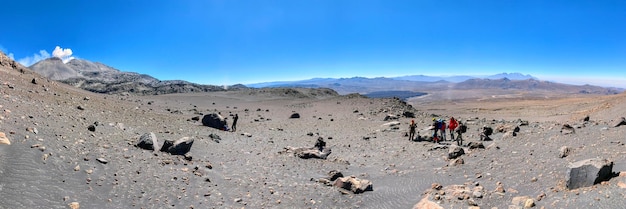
(294, 115)
(216, 138)
(586, 119)
(32, 130)
(457, 162)
(391, 124)
(477, 194)
(408, 114)
(74, 205)
(214, 120)
(196, 118)
(564, 151)
(475, 145)
(34, 81)
(567, 129)
(4, 139)
(499, 188)
(588, 172)
(529, 203)
(353, 184)
(426, 203)
(520, 200)
(334, 175)
(246, 134)
(80, 107)
(390, 117)
(307, 153)
(455, 152)
(147, 141)
(77, 168)
(102, 160)
(91, 128)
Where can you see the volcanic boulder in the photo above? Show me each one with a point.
(178, 147)
(588, 172)
(147, 141)
(214, 120)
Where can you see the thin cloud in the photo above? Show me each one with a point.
(28, 61)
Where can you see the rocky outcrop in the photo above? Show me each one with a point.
(147, 141)
(588, 172)
(214, 120)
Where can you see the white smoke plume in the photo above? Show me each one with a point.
(63, 54)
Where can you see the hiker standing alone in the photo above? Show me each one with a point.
(412, 130)
(234, 126)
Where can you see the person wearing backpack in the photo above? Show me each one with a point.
(435, 127)
(442, 129)
(460, 129)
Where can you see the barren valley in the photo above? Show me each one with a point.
(70, 148)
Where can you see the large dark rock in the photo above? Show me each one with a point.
(214, 120)
(147, 141)
(166, 145)
(295, 115)
(181, 146)
(589, 172)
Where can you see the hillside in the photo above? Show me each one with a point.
(100, 78)
(532, 85)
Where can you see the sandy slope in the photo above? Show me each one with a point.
(253, 172)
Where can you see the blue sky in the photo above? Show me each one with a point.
(228, 41)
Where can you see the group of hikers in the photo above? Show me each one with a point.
(440, 126)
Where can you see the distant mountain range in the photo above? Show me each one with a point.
(422, 83)
(100, 78)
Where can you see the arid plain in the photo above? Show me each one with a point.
(73, 148)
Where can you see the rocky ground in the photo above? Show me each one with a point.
(72, 148)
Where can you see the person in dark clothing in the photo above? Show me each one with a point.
(320, 144)
(234, 126)
(412, 130)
